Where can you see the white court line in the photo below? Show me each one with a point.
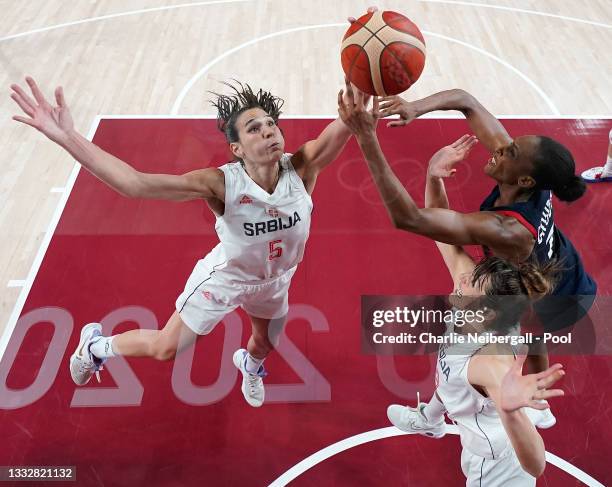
(183, 93)
(29, 281)
(113, 16)
(520, 10)
(391, 431)
(197, 4)
(16, 283)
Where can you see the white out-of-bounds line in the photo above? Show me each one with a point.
(113, 16)
(183, 93)
(391, 431)
(520, 10)
(44, 245)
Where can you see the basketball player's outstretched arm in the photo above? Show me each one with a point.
(55, 122)
(487, 128)
(316, 154)
(442, 225)
(441, 166)
(501, 376)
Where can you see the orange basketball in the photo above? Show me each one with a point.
(383, 53)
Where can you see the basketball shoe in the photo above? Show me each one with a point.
(82, 363)
(412, 420)
(252, 384)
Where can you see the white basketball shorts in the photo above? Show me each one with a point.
(505, 471)
(209, 295)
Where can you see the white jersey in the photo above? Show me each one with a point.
(480, 427)
(261, 235)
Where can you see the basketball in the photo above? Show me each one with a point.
(383, 53)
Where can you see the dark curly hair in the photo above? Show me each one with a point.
(229, 107)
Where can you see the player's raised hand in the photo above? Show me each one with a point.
(395, 105)
(518, 390)
(352, 108)
(442, 163)
(53, 121)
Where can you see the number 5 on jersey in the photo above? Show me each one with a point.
(275, 249)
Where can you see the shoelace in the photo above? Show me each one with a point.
(253, 381)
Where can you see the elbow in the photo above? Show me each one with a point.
(465, 100)
(535, 466)
(536, 470)
(133, 187)
(404, 222)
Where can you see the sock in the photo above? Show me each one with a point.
(253, 364)
(102, 348)
(434, 411)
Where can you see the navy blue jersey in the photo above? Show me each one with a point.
(536, 215)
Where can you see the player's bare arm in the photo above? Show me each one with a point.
(504, 234)
(316, 154)
(55, 122)
(487, 128)
(502, 379)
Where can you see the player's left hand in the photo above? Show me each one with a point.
(352, 108)
(518, 390)
(442, 163)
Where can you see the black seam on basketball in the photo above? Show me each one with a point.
(374, 34)
(350, 71)
(196, 288)
(398, 62)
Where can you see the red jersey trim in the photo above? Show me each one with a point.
(521, 220)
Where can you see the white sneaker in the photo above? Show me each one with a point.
(82, 363)
(595, 175)
(252, 384)
(541, 418)
(412, 420)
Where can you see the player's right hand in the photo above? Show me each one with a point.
(53, 121)
(442, 163)
(395, 105)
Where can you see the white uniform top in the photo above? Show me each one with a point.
(261, 235)
(480, 427)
